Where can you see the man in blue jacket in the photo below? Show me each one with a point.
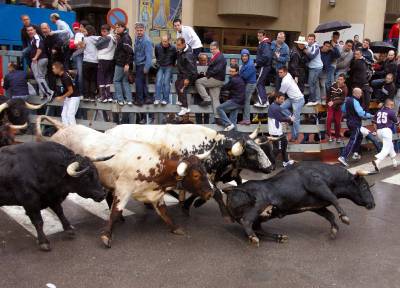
(236, 87)
(263, 62)
(354, 115)
(16, 82)
(280, 57)
(143, 54)
(329, 54)
(248, 74)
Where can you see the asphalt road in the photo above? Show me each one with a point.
(212, 253)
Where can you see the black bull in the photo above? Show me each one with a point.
(40, 175)
(309, 186)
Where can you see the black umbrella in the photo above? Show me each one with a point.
(381, 47)
(332, 26)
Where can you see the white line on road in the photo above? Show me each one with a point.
(369, 167)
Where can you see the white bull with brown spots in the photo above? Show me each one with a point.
(140, 170)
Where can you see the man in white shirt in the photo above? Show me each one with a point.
(189, 35)
(295, 99)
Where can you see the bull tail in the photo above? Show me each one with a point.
(52, 121)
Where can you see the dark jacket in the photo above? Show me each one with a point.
(53, 42)
(16, 83)
(186, 64)
(354, 112)
(368, 55)
(236, 88)
(124, 50)
(217, 68)
(388, 91)
(25, 37)
(264, 53)
(298, 63)
(358, 72)
(337, 95)
(166, 56)
(328, 57)
(388, 67)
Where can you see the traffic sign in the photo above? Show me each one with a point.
(116, 15)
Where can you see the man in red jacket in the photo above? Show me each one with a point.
(394, 33)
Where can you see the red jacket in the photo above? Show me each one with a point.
(394, 32)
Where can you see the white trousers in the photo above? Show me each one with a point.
(70, 108)
(386, 135)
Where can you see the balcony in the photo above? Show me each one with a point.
(90, 3)
(264, 8)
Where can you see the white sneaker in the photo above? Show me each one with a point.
(230, 127)
(130, 103)
(258, 104)
(178, 103)
(121, 103)
(343, 161)
(156, 102)
(290, 162)
(183, 111)
(394, 162)
(163, 102)
(356, 156)
(311, 103)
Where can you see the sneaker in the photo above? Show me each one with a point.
(330, 139)
(311, 103)
(104, 100)
(229, 127)
(394, 162)
(343, 161)
(121, 103)
(245, 122)
(288, 163)
(156, 102)
(148, 102)
(356, 156)
(110, 100)
(205, 103)
(92, 100)
(183, 111)
(179, 103)
(260, 105)
(338, 140)
(130, 103)
(163, 102)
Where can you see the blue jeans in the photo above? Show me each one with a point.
(121, 85)
(79, 69)
(250, 87)
(228, 106)
(141, 84)
(26, 55)
(296, 106)
(330, 78)
(163, 83)
(313, 83)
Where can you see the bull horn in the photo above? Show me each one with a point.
(101, 159)
(237, 149)
(18, 127)
(3, 107)
(181, 169)
(33, 106)
(365, 173)
(253, 135)
(72, 170)
(206, 154)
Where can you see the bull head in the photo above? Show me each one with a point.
(253, 135)
(72, 170)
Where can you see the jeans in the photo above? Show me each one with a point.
(261, 81)
(250, 87)
(79, 69)
(26, 55)
(70, 107)
(181, 90)
(163, 83)
(121, 85)
(313, 83)
(330, 78)
(228, 106)
(296, 106)
(141, 84)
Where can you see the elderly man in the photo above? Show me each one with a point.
(143, 53)
(298, 62)
(344, 60)
(214, 80)
(189, 35)
(354, 115)
(359, 77)
(165, 54)
(280, 57)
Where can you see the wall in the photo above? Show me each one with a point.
(131, 8)
(375, 16)
(251, 7)
(289, 17)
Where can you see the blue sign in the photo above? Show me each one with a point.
(117, 15)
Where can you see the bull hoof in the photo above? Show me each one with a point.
(106, 241)
(178, 231)
(45, 247)
(254, 241)
(345, 219)
(281, 238)
(333, 233)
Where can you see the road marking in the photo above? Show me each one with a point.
(369, 167)
(100, 209)
(395, 179)
(51, 224)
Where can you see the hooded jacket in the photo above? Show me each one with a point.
(264, 53)
(248, 70)
(186, 64)
(124, 52)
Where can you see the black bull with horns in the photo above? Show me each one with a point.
(308, 186)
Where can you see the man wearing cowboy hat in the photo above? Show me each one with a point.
(298, 62)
